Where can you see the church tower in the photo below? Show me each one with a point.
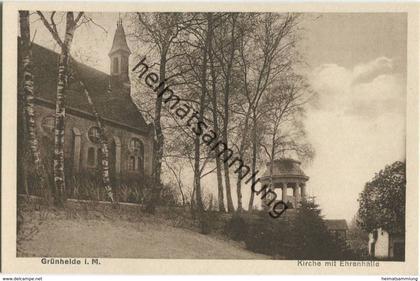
(119, 55)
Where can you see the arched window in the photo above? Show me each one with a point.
(91, 156)
(124, 64)
(137, 155)
(115, 65)
(140, 163)
(93, 134)
(136, 146)
(132, 163)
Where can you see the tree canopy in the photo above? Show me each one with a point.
(382, 202)
(311, 239)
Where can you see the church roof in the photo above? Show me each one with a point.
(120, 42)
(336, 224)
(115, 106)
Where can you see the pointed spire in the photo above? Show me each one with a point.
(119, 43)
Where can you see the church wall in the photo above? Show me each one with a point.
(82, 125)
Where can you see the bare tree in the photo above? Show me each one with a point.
(284, 131)
(104, 144)
(28, 98)
(60, 110)
(239, 56)
(225, 57)
(160, 30)
(207, 35)
(265, 54)
(177, 173)
(214, 102)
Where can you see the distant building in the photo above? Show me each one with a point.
(385, 245)
(130, 138)
(337, 228)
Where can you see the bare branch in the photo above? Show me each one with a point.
(50, 29)
(78, 17)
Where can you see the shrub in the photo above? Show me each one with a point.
(207, 221)
(89, 186)
(268, 236)
(311, 239)
(301, 234)
(168, 196)
(236, 228)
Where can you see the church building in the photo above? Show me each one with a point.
(130, 138)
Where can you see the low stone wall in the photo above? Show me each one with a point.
(123, 210)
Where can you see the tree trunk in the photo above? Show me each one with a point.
(60, 111)
(197, 178)
(158, 151)
(226, 119)
(241, 156)
(220, 196)
(28, 108)
(22, 144)
(254, 160)
(158, 127)
(197, 182)
(104, 146)
(239, 187)
(226, 166)
(273, 151)
(180, 190)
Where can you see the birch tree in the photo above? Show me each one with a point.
(60, 109)
(103, 142)
(28, 99)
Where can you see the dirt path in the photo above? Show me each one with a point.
(123, 239)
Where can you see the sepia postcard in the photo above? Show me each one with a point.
(210, 138)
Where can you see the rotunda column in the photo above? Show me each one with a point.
(296, 194)
(284, 192)
(303, 190)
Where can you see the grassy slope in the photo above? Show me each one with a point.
(86, 233)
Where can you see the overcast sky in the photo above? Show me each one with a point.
(357, 65)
